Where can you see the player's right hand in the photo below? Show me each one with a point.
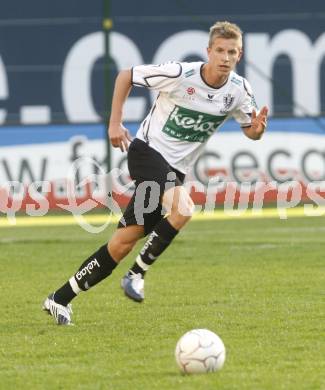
(119, 136)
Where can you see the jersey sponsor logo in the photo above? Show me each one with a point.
(190, 91)
(191, 126)
(87, 269)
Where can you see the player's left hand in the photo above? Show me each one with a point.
(259, 121)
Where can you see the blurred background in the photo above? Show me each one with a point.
(58, 62)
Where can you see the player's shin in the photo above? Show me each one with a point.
(96, 268)
(158, 240)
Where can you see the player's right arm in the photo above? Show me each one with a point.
(162, 77)
(117, 133)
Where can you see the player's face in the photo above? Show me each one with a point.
(224, 54)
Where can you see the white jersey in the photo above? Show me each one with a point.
(187, 110)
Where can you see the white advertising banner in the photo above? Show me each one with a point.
(35, 167)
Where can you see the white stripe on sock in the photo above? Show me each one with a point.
(141, 264)
(74, 285)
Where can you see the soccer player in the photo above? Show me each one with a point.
(194, 99)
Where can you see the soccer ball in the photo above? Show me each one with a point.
(199, 351)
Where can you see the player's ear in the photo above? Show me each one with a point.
(208, 51)
(240, 55)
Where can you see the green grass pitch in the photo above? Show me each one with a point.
(259, 284)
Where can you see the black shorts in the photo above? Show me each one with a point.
(152, 176)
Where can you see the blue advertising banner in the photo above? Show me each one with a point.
(52, 54)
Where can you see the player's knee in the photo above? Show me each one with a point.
(120, 248)
(185, 208)
(123, 241)
(182, 209)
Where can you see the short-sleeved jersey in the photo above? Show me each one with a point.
(187, 111)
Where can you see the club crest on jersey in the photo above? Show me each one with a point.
(228, 101)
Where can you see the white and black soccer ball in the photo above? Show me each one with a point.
(199, 351)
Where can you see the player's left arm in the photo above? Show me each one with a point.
(258, 124)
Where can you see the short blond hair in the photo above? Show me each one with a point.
(225, 30)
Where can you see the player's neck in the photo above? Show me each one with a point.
(213, 78)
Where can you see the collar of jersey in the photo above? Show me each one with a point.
(202, 78)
